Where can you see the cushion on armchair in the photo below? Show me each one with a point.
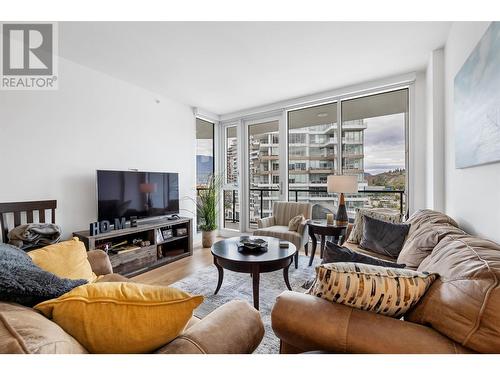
(294, 223)
(282, 232)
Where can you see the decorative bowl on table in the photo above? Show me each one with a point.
(252, 244)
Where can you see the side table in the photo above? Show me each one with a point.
(320, 228)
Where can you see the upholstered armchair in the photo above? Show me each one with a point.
(277, 225)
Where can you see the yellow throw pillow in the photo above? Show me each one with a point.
(122, 317)
(383, 290)
(67, 259)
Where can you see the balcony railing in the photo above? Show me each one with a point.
(264, 195)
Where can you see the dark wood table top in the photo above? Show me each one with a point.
(323, 224)
(228, 249)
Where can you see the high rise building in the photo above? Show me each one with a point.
(312, 156)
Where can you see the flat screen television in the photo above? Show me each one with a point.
(141, 194)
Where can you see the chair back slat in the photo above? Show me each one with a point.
(41, 216)
(14, 209)
(17, 218)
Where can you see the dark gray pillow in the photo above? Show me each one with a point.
(383, 237)
(335, 253)
(23, 282)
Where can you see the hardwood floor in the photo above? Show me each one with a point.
(170, 273)
(180, 269)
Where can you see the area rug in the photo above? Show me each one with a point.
(239, 286)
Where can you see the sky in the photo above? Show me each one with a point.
(384, 143)
(204, 147)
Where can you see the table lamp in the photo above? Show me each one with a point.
(340, 185)
(148, 188)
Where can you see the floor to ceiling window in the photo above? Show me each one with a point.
(263, 169)
(374, 148)
(312, 152)
(205, 153)
(365, 136)
(205, 158)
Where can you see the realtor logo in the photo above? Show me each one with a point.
(29, 56)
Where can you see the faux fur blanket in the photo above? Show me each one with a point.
(34, 235)
(23, 282)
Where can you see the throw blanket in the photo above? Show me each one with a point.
(22, 281)
(32, 235)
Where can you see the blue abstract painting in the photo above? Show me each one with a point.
(477, 103)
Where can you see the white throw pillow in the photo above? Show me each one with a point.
(294, 223)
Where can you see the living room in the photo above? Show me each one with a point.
(312, 186)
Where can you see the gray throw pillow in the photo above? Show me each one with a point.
(383, 237)
(335, 253)
(23, 282)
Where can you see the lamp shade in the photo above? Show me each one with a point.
(342, 184)
(147, 188)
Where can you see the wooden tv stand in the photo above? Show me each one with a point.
(134, 259)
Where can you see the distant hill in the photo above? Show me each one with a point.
(393, 179)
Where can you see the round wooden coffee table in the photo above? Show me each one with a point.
(226, 255)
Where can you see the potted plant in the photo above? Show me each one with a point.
(207, 204)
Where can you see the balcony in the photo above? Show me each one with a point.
(262, 198)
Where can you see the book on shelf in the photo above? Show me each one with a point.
(159, 236)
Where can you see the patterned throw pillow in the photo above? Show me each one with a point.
(294, 222)
(386, 291)
(385, 214)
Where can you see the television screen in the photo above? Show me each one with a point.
(141, 194)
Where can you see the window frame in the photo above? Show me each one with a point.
(280, 111)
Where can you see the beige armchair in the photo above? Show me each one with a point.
(277, 225)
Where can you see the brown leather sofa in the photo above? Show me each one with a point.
(460, 313)
(235, 327)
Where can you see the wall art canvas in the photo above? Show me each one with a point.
(477, 103)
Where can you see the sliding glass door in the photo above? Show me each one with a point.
(264, 182)
(365, 136)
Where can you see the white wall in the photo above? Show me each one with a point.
(435, 131)
(417, 148)
(472, 194)
(52, 142)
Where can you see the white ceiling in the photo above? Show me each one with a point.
(224, 67)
